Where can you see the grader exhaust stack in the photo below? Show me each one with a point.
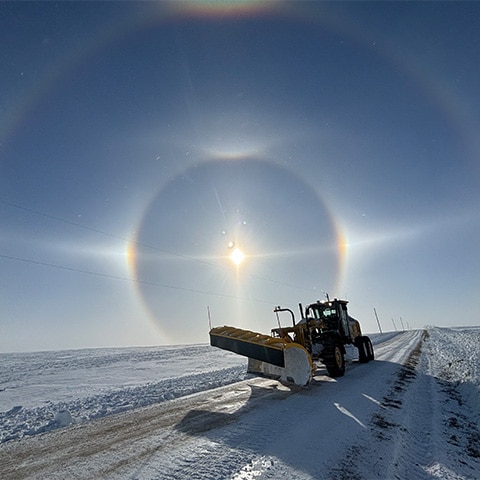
(289, 352)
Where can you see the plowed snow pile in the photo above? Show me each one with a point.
(455, 360)
(192, 412)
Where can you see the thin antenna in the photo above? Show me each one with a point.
(209, 319)
(403, 326)
(394, 326)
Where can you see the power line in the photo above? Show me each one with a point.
(102, 232)
(141, 244)
(127, 279)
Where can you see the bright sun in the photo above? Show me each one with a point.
(237, 256)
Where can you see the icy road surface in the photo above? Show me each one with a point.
(413, 413)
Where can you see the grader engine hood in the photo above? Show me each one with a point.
(288, 361)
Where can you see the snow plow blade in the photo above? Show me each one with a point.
(273, 357)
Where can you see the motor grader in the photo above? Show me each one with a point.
(290, 353)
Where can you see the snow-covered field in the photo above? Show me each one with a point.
(42, 391)
(192, 412)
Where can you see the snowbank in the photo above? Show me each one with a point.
(455, 358)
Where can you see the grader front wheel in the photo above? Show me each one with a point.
(335, 361)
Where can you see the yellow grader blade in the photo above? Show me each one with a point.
(288, 361)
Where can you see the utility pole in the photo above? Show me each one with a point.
(403, 327)
(209, 318)
(394, 326)
(378, 321)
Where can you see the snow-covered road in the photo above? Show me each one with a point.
(412, 413)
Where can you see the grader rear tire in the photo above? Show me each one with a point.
(363, 352)
(369, 349)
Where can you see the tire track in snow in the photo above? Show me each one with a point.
(399, 348)
(416, 449)
(369, 457)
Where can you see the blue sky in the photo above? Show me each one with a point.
(335, 144)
